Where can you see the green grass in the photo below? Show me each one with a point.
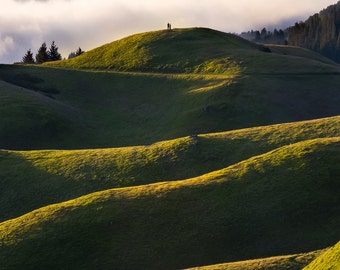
(121, 109)
(177, 51)
(328, 260)
(27, 117)
(180, 82)
(221, 183)
(58, 175)
(270, 204)
(288, 262)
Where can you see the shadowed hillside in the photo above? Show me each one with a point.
(269, 204)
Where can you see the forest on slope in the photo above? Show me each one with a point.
(320, 33)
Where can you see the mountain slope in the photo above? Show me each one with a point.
(270, 204)
(58, 175)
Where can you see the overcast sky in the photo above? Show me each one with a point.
(26, 24)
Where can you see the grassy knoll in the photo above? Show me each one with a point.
(57, 175)
(177, 51)
(328, 260)
(288, 262)
(281, 202)
(195, 50)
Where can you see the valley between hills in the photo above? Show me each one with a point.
(182, 149)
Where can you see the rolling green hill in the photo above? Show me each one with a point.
(169, 150)
(270, 204)
(177, 51)
(58, 175)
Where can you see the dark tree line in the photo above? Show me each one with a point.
(44, 54)
(264, 36)
(320, 32)
(78, 52)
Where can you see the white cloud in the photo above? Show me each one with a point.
(88, 24)
(6, 45)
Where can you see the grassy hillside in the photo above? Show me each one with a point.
(27, 117)
(177, 51)
(168, 150)
(121, 109)
(194, 50)
(282, 202)
(328, 260)
(288, 262)
(189, 81)
(58, 175)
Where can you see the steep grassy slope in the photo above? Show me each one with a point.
(328, 260)
(285, 201)
(288, 262)
(58, 175)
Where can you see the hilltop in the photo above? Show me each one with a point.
(177, 51)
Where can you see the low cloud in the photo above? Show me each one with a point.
(26, 24)
(6, 45)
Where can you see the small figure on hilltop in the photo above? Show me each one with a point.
(169, 26)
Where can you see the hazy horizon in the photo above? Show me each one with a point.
(26, 24)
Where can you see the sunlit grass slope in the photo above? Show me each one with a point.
(329, 260)
(32, 179)
(192, 50)
(282, 202)
(180, 50)
(287, 262)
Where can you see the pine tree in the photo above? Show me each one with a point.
(53, 53)
(79, 51)
(42, 55)
(28, 58)
(71, 55)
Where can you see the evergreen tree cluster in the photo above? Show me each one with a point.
(44, 54)
(76, 53)
(320, 32)
(264, 36)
